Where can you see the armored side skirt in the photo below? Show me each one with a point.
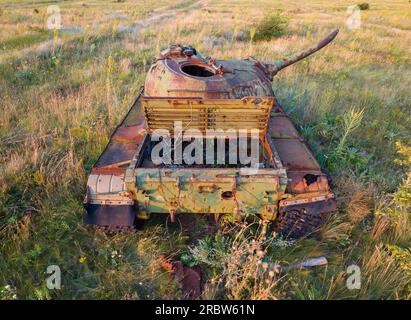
(109, 215)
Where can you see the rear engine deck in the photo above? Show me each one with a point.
(288, 176)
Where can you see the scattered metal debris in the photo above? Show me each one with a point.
(190, 279)
(305, 264)
(310, 263)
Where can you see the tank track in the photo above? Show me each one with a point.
(294, 223)
(299, 224)
(115, 229)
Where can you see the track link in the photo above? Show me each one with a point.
(299, 224)
(115, 229)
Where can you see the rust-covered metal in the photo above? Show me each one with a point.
(201, 93)
(189, 278)
(205, 114)
(274, 67)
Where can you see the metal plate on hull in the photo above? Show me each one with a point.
(207, 190)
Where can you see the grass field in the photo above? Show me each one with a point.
(63, 92)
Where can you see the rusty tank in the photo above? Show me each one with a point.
(186, 92)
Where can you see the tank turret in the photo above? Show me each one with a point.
(180, 71)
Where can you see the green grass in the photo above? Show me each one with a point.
(61, 100)
(271, 26)
(23, 41)
(364, 6)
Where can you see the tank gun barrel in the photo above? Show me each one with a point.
(274, 67)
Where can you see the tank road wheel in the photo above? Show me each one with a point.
(298, 224)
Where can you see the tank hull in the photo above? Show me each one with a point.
(185, 92)
(123, 188)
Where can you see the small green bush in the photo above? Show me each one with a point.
(272, 26)
(364, 6)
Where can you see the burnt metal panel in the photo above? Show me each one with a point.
(281, 127)
(307, 181)
(116, 152)
(295, 155)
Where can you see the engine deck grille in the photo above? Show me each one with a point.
(207, 114)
